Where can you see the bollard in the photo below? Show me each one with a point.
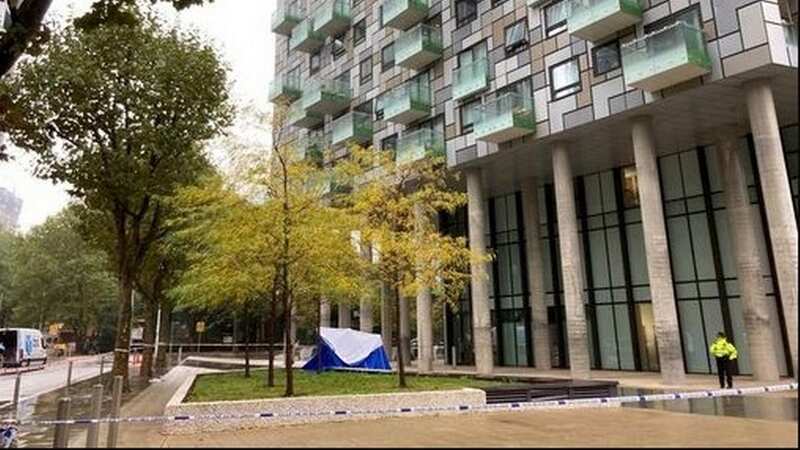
(69, 377)
(93, 430)
(116, 403)
(17, 387)
(61, 439)
(453, 355)
(102, 366)
(180, 355)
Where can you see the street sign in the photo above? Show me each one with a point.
(200, 327)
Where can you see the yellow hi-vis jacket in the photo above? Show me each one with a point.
(722, 348)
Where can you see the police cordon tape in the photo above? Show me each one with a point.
(549, 404)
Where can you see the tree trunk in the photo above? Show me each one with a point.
(149, 339)
(401, 370)
(319, 337)
(246, 343)
(123, 337)
(273, 317)
(289, 347)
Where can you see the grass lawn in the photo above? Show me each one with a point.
(234, 386)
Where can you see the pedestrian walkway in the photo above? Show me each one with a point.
(52, 377)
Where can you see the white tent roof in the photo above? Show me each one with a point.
(350, 346)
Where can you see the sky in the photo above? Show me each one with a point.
(239, 29)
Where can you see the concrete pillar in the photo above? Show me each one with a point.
(425, 224)
(755, 308)
(541, 331)
(325, 313)
(571, 264)
(405, 329)
(481, 314)
(386, 318)
(777, 201)
(345, 316)
(659, 268)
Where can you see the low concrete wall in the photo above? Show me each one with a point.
(305, 405)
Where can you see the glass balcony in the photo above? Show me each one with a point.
(508, 117)
(418, 47)
(471, 78)
(333, 17)
(594, 20)
(298, 116)
(305, 38)
(665, 58)
(354, 127)
(312, 148)
(408, 103)
(284, 89)
(403, 14)
(286, 17)
(420, 144)
(327, 96)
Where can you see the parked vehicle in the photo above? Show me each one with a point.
(22, 347)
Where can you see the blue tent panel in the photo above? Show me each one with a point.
(325, 357)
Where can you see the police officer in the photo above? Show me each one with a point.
(725, 353)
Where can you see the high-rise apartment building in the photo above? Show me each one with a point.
(633, 165)
(10, 207)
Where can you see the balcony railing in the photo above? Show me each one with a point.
(594, 20)
(418, 47)
(408, 103)
(311, 148)
(284, 89)
(666, 57)
(420, 144)
(790, 36)
(327, 96)
(333, 17)
(509, 117)
(471, 78)
(286, 17)
(298, 116)
(305, 38)
(354, 127)
(403, 14)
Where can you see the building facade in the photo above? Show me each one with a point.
(632, 164)
(10, 207)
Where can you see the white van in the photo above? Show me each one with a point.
(22, 347)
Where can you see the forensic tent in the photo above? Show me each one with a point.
(339, 349)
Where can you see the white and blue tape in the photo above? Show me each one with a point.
(550, 404)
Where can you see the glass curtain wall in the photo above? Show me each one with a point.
(458, 320)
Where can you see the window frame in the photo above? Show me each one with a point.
(461, 21)
(520, 45)
(357, 37)
(556, 28)
(558, 94)
(597, 48)
(474, 103)
(311, 70)
(362, 79)
(384, 66)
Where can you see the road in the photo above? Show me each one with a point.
(52, 377)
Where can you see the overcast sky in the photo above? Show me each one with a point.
(240, 29)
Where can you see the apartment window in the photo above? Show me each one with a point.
(389, 143)
(521, 88)
(565, 78)
(516, 37)
(365, 107)
(606, 58)
(387, 57)
(379, 107)
(469, 113)
(343, 78)
(359, 32)
(314, 63)
(472, 54)
(337, 46)
(555, 17)
(466, 11)
(690, 16)
(365, 70)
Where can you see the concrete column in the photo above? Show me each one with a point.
(481, 315)
(424, 304)
(405, 329)
(541, 331)
(386, 318)
(755, 308)
(659, 268)
(345, 316)
(325, 313)
(777, 201)
(571, 264)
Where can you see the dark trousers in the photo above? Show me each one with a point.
(725, 372)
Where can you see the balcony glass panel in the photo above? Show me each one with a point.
(408, 103)
(284, 89)
(327, 96)
(305, 38)
(418, 47)
(354, 127)
(471, 78)
(312, 149)
(286, 17)
(666, 57)
(594, 20)
(790, 34)
(508, 117)
(402, 14)
(333, 17)
(298, 116)
(420, 144)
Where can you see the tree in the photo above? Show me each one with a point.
(395, 203)
(119, 113)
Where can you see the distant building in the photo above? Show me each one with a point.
(10, 207)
